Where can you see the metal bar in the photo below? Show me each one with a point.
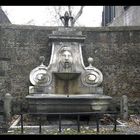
(21, 123)
(78, 118)
(70, 113)
(78, 123)
(59, 123)
(40, 125)
(115, 123)
(21, 107)
(97, 122)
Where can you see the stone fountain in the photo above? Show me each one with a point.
(66, 85)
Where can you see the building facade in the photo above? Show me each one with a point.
(121, 16)
(3, 17)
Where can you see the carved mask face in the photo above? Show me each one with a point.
(66, 58)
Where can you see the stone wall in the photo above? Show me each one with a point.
(115, 50)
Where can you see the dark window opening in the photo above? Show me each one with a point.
(126, 7)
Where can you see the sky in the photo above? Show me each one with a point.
(44, 15)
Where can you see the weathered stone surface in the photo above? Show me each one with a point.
(115, 51)
(124, 107)
(7, 106)
(66, 85)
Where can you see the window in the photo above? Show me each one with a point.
(126, 7)
(4, 62)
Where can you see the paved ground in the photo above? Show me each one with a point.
(86, 129)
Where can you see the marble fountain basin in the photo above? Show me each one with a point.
(41, 103)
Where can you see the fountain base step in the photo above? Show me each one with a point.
(44, 103)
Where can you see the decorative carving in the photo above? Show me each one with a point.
(65, 19)
(92, 76)
(40, 75)
(57, 87)
(42, 59)
(65, 60)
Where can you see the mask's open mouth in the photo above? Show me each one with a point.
(66, 62)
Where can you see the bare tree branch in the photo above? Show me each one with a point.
(59, 9)
(30, 22)
(77, 16)
(70, 13)
(58, 12)
(69, 10)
